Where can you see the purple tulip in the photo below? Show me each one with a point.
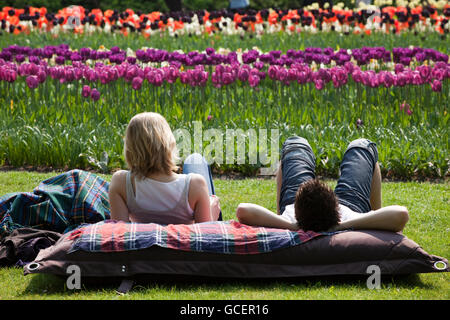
(293, 74)
(86, 91)
(436, 86)
(184, 77)
(204, 76)
(424, 71)
(253, 80)
(95, 94)
(401, 80)
(32, 82)
(272, 72)
(335, 80)
(78, 73)
(20, 58)
(417, 79)
(136, 83)
(227, 78)
(258, 65)
(11, 76)
(158, 79)
(130, 73)
(439, 74)
(131, 60)
(115, 50)
(276, 54)
(85, 52)
(324, 74)
(34, 59)
(60, 60)
(23, 69)
(42, 76)
(69, 75)
(357, 75)
(420, 56)
(372, 79)
(172, 74)
(399, 68)
(90, 75)
(319, 84)
(301, 77)
(215, 79)
(387, 79)
(282, 75)
(243, 74)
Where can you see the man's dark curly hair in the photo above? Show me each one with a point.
(316, 206)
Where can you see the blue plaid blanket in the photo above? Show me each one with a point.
(59, 204)
(229, 237)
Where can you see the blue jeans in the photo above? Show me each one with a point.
(356, 171)
(196, 163)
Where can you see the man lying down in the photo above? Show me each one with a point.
(305, 203)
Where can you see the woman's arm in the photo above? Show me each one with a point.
(391, 218)
(205, 208)
(255, 215)
(117, 200)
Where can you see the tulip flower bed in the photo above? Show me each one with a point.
(66, 107)
(311, 19)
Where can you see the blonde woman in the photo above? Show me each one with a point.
(151, 191)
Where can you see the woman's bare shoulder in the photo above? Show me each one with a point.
(118, 180)
(197, 186)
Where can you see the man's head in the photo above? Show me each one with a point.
(316, 206)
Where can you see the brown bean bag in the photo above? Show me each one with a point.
(345, 253)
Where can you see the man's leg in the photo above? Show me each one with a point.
(196, 163)
(375, 189)
(278, 177)
(354, 187)
(297, 166)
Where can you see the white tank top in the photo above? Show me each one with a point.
(159, 202)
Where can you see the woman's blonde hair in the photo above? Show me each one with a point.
(150, 145)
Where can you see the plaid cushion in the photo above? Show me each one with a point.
(59, 204)
(228, 237)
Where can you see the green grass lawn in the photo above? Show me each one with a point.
(428, 204)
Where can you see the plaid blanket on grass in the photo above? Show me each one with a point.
(228, 237)
(59, 204)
